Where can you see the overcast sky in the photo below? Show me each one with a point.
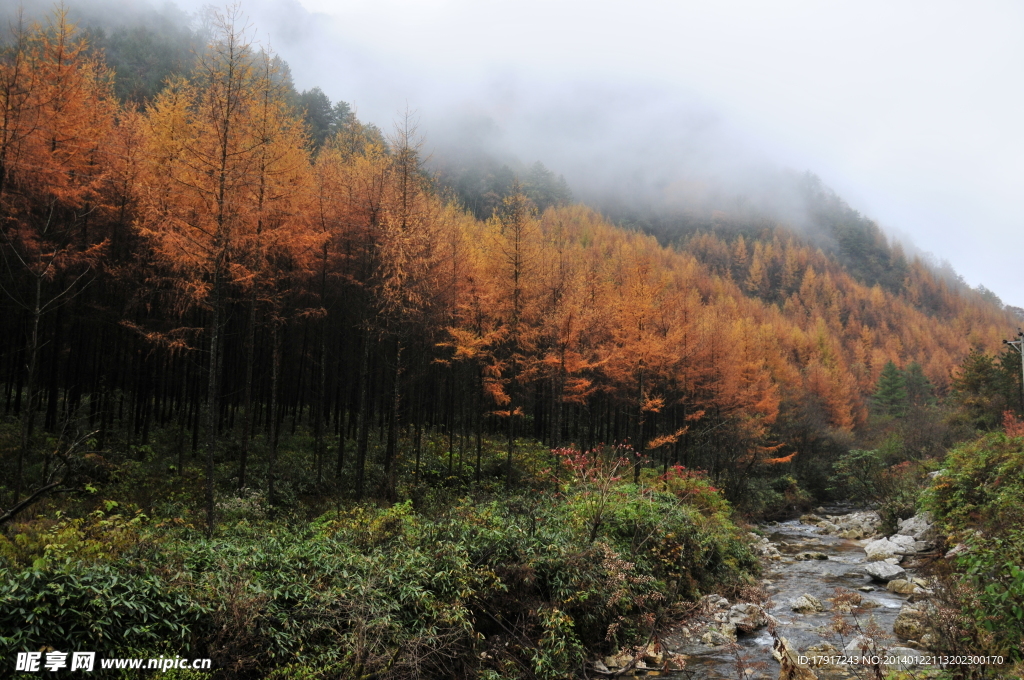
(912, 111)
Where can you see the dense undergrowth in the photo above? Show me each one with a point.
(978, 497)
(457, 580)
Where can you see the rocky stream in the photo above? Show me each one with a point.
(879, 597)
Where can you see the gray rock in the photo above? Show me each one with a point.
(860, 646)
(805, 556)
(881, 549)
(910, 623)
(921, 595)
(747, 617)
(714, 601)
(904, 544)
(920, 527)
(805, 604)
(713, 638)
(883, 571)
(901, 586)
(814, 652)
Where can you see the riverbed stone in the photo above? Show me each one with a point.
(822, 649)
(763, 547)
(789, 660)
(747, 617)
(714, 601)
(883, 571)
(846, 603)
(806, 604)
(881, 549)
(903, 544)
(714, 638)
(807, 556)
(921, 595)
(920, 527)
(901, 586)
(856, 525)
(912, 624)
(860, 646)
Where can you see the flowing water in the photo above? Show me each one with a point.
(786, 580)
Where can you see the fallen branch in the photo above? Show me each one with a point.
(36, 495)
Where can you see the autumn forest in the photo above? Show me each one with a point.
(213, 288)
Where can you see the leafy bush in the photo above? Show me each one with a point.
(978, 498)
(99, 606)
(103, 535)
(521, 584)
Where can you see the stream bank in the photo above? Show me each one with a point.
(818, 573)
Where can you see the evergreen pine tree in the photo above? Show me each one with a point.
(919, 389)
(890, 397)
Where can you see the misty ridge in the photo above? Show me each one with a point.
(647, 157)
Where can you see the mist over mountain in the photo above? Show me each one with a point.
(649, 156)
(647, 152)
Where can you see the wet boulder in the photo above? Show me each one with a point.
(807, 556)
(883, 571)
(806, 604)
(716, 638)
(747, 617)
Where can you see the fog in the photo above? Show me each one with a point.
(910, 111)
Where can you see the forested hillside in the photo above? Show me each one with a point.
(219, 287)
(209, 255)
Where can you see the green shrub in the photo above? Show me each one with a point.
(500, 586)
(101, 607)
(978, 499)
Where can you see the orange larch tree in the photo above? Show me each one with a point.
(226, 170)
(57, 110)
